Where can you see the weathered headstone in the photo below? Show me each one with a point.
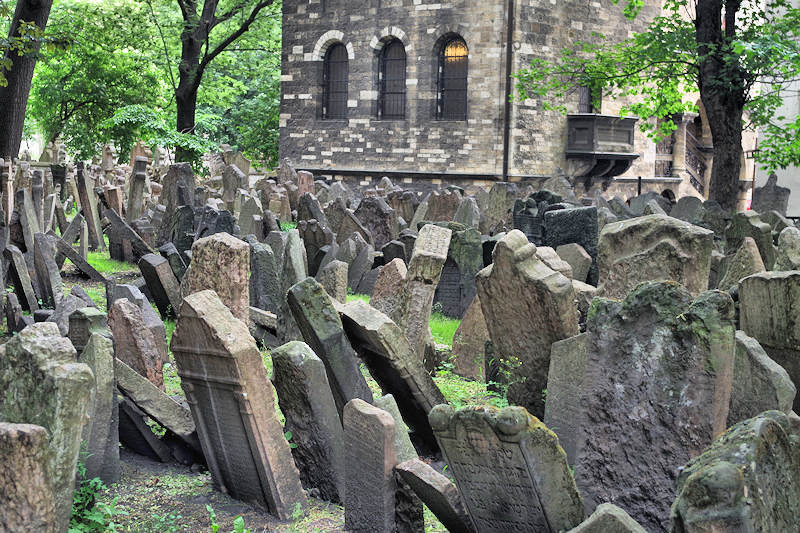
(322, 329)
(413, 311)
(650, 248)
(391, 361)
(509, 469)
(577, 258)
(771, 196)
(575, 225)
(527, 307)
(659, 369)
(469, 342)
(769, 307)
(608, 518)
(306, 401)
(85, 322)
(25, 490)
(333, 278)
(162, 284)
(134, 343)
(136, 190)
(749, 224)
(748, 480)
(19, 276)
(456, 288)
(295, 269)
(43, 384)
(232, 406)
(88, 200)
(389, 287)
(788, 257)
(379, 219)
(265, 283)
(221, 263)
(745, 262)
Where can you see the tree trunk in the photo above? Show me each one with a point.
(14, 96)
(722, 92)
(186, 93)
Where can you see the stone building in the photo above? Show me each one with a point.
(419, 91)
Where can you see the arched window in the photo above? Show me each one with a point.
(453, 63)
(392, 81)
(334, 82)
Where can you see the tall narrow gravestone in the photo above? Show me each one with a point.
(88, 199)
(232, 404)
(509, 468)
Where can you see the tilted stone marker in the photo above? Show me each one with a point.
(653, 248)
(265, 283)
(749, 224)
(231, 399)
(333, 277)
(759, 383)
(769, 307)
(389, 287)
(322, 329)
(305, 400)
(88, 200)
(748, 480)
(295, 269)
(162, 283)
(509, 469)
(469, 342)
(221, 263)
(745, 262)
(134, 343)
(413, 311)
(43, 384)
(20, 277)
(25, 490)
(391, 361)
(659, 370)
(608, 518)
(47, 273)
(527, 307)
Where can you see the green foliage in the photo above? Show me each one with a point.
(287, 226)
(76, 89)
(288, 436)
(759, 59)
(88, 514)
(168, 523)
(443, 328)
(101, 262)
(351, 296)
(238, 522)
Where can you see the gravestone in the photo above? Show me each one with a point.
(250, 218)
(88, 200)
(759, 383)
(181, 230)
(125, 244)
(101, 433)
(389, 287)
(748, 480)
(19, 276)
(413, 311)
(653, 247)
(443, 205)
(178, 186)
(309, 208)
(322, 329)
(85, 322)
(386, 352)
(527, 307)
(134, 343)
(745, 262)
(136, 190)
(509, 469)
(788, 257)
(333, 278)
(500, 201)
(151, 319)
(378, 218)
(456, 288)
(306, 401)
(169, 252)
(577, 258)
(27, 218)
(574, 225)
(749, 224)
(43, 384)
(162, 284)
(659, 370)
(221, 263)
(392, 250)
(232, 406)
(438, 494)
(295, 269)
(468, 213)
(771, 196)
(608, 518)
(769, 304)
(233, 179)
(402, 442)
(370, 458)
(28, 503)
(265, 284)
(469, 342)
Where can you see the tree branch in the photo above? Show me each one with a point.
(209, 56)
(163, 42)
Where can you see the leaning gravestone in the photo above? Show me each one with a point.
(745, 262)
(654, 247)
(265, 283)
(44, 385)
(509, 468)
(788, 257)
(221, 263)
(469, 341)
(322, 329)
(162, 284)
(413, 311)
(748, 480)
(231, 398)
(659, 370)
(394, 365)
(769, 306)
(134, 343)
(771, 197)
(749, 224)
(88, 200)
(389, 287)
(24, 483)
(295, 269)
(305, 400)
(527, 307)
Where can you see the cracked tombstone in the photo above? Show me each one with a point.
(231, 399)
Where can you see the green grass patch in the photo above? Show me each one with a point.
(105, 265)
(353, 297)
(286, 226)
(460, 392)
(443, 328)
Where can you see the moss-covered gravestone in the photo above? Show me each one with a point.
(509, 468)
(748, 480)
(42, 383)
(656, 390)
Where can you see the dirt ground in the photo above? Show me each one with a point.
(172, 498)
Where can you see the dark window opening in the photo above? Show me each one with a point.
(453, 67)
(392, 81)
(334, 82)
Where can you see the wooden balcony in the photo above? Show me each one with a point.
(600, 146)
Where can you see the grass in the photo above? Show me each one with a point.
(105, 265)
(362, 297)
(443, 328)
(286, 226)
